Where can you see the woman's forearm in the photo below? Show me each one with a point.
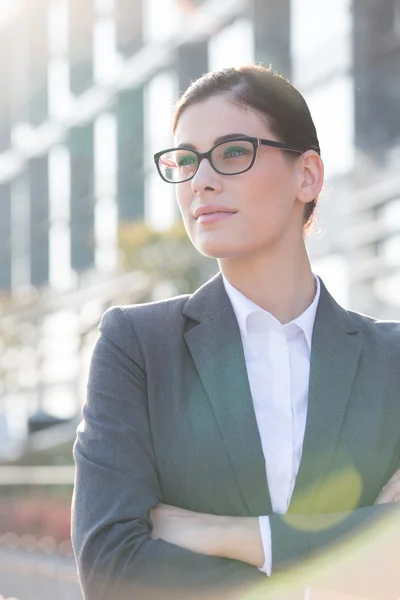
(239, 538)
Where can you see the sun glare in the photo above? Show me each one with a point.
(8, 10)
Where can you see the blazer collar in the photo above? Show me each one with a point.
(207, 300)
(211, 298)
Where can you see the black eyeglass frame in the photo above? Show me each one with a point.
(255, 141)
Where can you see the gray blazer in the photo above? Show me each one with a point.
(169, 417)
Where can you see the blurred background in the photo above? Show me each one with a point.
(86, 96)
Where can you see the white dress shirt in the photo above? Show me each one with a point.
(278, 366)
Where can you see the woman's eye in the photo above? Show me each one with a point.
(235, 151)
(183, 161)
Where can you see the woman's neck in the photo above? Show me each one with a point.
(285, 288)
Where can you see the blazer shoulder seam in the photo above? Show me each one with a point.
(134, 334)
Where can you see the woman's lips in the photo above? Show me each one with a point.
(216, 216)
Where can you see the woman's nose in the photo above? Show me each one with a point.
(206, 178)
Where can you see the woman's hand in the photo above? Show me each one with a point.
(238, 538)
(391, 491)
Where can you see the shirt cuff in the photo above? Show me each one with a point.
(265, 530)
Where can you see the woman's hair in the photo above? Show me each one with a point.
(284, 108)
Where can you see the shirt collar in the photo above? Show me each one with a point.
(243, 307)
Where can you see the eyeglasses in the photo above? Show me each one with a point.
(235, 156)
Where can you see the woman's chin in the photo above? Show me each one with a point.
(217, 251)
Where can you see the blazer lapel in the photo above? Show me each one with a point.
(215, 345)
(216, 348)
(335, 354)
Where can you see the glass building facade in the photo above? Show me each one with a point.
(88, 90)
(87, 95)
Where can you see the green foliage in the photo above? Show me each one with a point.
(167, 255)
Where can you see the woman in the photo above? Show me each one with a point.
(209, 417)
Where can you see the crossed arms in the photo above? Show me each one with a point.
(119, 525)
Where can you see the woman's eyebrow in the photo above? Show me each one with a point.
(221, 138)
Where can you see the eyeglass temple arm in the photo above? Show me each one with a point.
(262, 142)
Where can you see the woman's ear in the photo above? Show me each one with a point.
(311, 176)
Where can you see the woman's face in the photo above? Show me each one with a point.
(264, 198)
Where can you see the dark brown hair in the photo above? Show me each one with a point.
(284, 108)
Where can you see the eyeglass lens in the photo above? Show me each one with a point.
(229, 158)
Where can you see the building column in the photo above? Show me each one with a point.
(81, 17)
(38, 174)
(130, 133)
(271, 19)
(81, 148)
(37, 16)
(20, 61)
(376, 75)
(5, 238)
(129, 31)
(129, 114)
(192, 63)
(5, 140)
(5, 86)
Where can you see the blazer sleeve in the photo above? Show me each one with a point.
(297, 537)
(116, 484)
